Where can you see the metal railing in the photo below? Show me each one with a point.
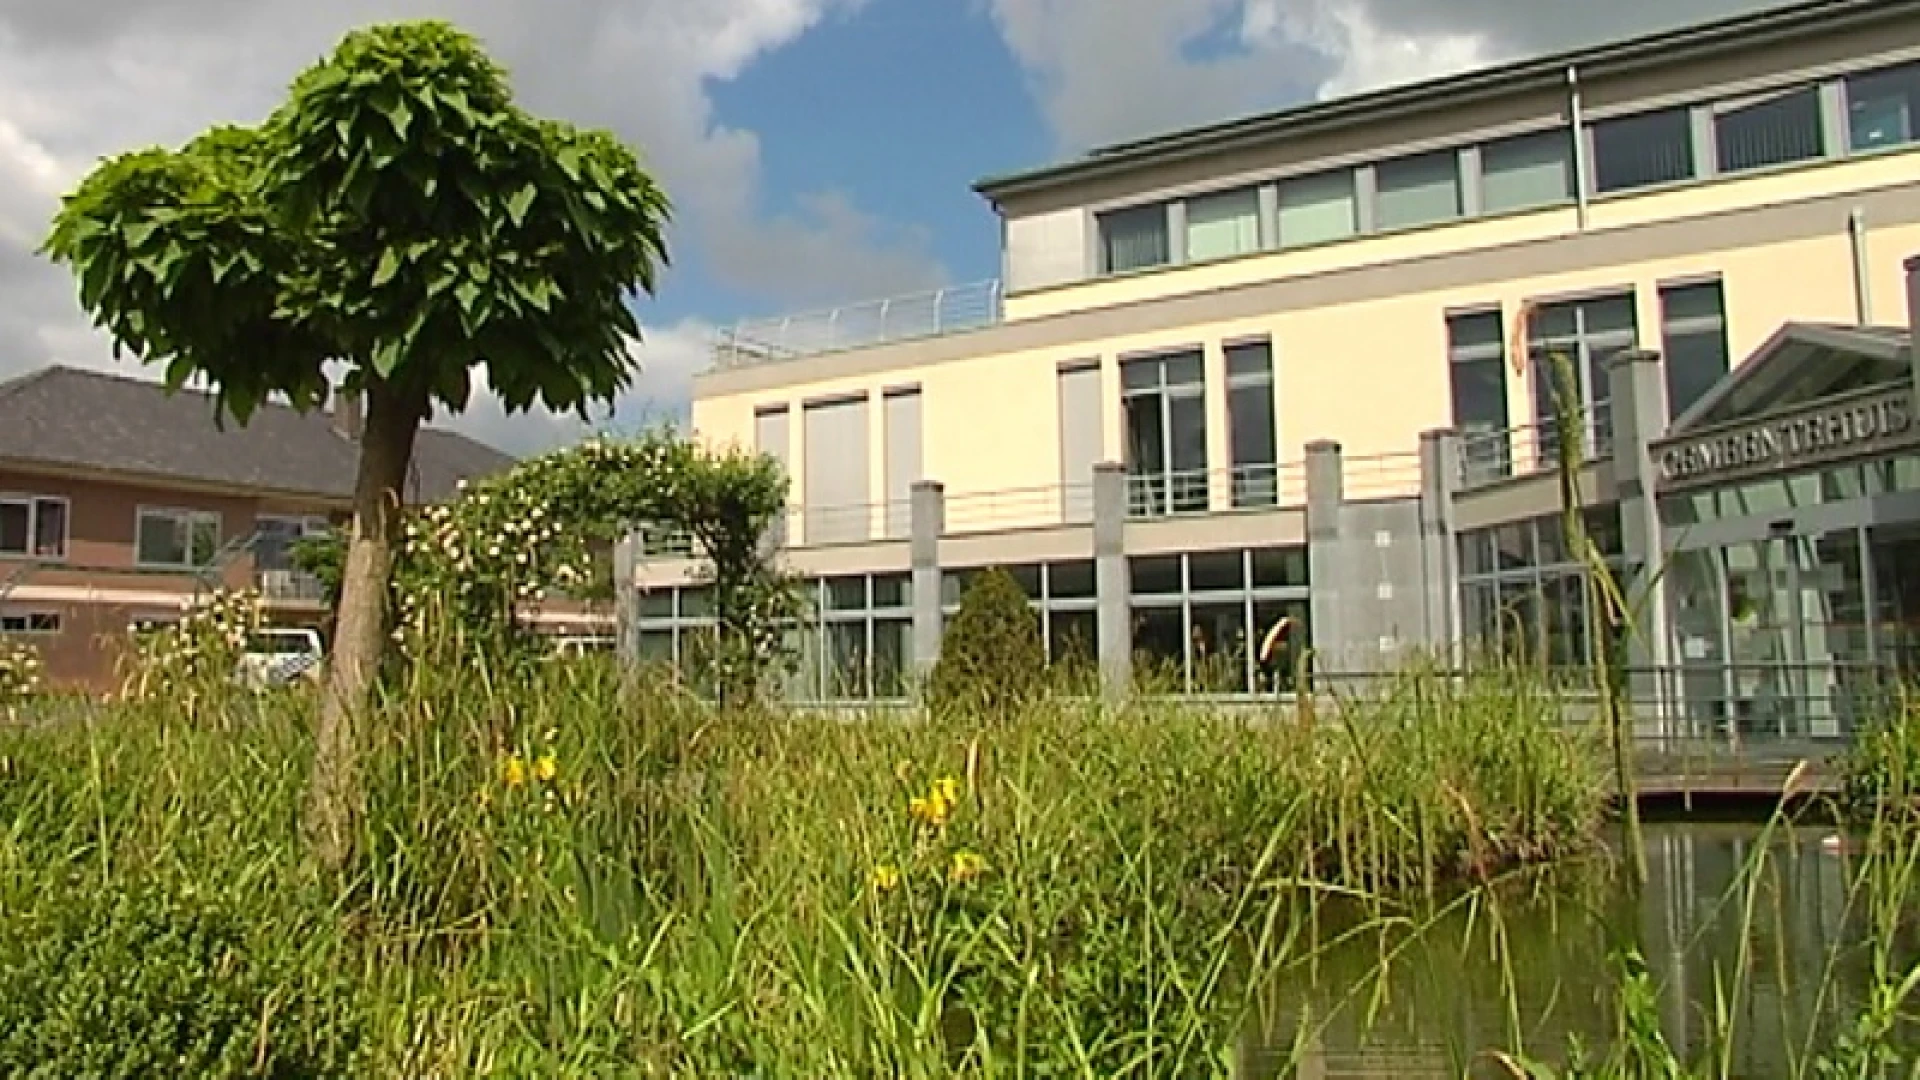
(1380, 476)
(1488, 457)
(289, 586)
(933, 313)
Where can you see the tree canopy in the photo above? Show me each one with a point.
(399, 214)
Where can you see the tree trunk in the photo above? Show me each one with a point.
(360, 634)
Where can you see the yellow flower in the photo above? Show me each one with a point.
(513, 771)
(947, 790)
(965, 867)
(884, 878)
(546, 768)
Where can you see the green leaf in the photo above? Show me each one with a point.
(139, 233)
(520, 203)
(466, 294)
(388, 268)
(386, 357)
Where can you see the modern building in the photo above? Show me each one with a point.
(1299, 364)
(118, 502)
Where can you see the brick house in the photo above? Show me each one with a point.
(119, 502)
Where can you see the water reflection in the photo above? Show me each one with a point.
(1530, 970)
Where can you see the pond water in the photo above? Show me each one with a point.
(1785, 956)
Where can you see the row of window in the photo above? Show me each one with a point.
(1869, 111)
(1197, 621)
(37, 527)
(1525, 595)
(1586, 333)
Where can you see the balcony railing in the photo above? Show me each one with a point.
(1488, 457)
(872, 322)
(289, 586)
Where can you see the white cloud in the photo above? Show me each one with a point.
(81, 80)
(1112, 70)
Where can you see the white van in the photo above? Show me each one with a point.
(280, 656)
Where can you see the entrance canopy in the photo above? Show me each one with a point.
(1802, 363)
(1812, 394)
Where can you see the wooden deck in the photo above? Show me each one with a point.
(1715, 770)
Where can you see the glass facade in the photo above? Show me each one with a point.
(1199, 620)
(1785, 632)
(1525, 594)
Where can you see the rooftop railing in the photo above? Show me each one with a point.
(933, 313)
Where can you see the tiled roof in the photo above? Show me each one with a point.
(69, 418)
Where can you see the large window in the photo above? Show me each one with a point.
(181, 539)
(1693, 331)
(1417, 190)
(1524, 593)
(1772, 129)
(1317, 209)
(1526, 171)
(1199, 619)
(1250, 424)
(1134, 239)
(1164, 401)
(1224, 224)
(1062, 596)
(1477, 374)
(1587, 334)
(1643, 151)
(33, 527)
(865, 636)
(1882, 106)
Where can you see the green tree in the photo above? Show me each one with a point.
(992, 658)
(398, 215)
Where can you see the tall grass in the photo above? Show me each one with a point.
(565, 875)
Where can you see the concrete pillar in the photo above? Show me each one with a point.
(927, 520)
(1913, 319)
(1439, 480)
(1112, 585)
(626, 599)
(1638, 389)
(1328, 567)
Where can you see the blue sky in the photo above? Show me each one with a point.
(819, 151)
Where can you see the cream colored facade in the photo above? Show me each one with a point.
(1359, 327)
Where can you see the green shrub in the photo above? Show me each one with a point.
(136, 981)
(992, 658)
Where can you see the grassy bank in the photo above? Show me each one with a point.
(560, 876)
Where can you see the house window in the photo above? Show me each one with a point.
(1526, 171)
(1222, 225)
(1134, 239)
(177, 538)
(1477, 377)
(1417, 190)
(1250, 424)
(1772, 130)
(1693, 331)
(1587, 334)
(1163, 399)
(33, 527)
(1643, 151)
(275, 536)
(1317, 209)
(30, 622)
(1881, 106)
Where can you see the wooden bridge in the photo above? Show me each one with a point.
(1683, 770)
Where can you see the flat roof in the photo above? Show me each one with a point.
(1450, 92)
